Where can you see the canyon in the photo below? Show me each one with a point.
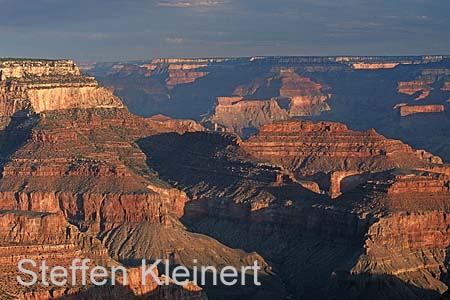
(402, 97)
(74, 183)
(386, 227)
(330, 210)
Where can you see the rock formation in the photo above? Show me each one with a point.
(329, 152)
(386, 229)
(180, 71)
(73, 179)
(305, 95)
(446, 86)
(424, 83)
(75, 175)
(412, 87)
(374, 66)
(36, 86)
(83, 165)
(294, 97)
(328, 211)
(21, 68)
(360, 91)
(407, 110)
(49, 237)
(239, 115)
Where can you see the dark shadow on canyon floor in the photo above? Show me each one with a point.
(312, 249)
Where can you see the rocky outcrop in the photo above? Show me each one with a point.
(27, 227)
(175, 125)
(21, 68)
(292, 142)
(295, 96)
(41, 236)
(238, 115)
(412, 87)
(328, 152)
(183, 77)
(421, 184)
(71, 170)
(77, 174)
(36, 86)
(446, 86)
(180, 71)
(424, 83)
(413, 270)
(44, 98)
(305, 95)
(374, 66)
(407, 110)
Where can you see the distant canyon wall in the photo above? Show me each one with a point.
(404, 97)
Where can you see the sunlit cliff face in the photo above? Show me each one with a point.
(40, 86)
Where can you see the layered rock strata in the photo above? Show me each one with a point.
(407, 110)
(180, 71)
(374, 66)
(361, 92)
(70, 170)
(306, 96)
(292, 96)
(328, 152)
(36, 86)
(424, 84)
(80, 172)
(49, 238)
(237, 115)
(412, 87)
(384, 238)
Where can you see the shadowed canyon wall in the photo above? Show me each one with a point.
(387, 228)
